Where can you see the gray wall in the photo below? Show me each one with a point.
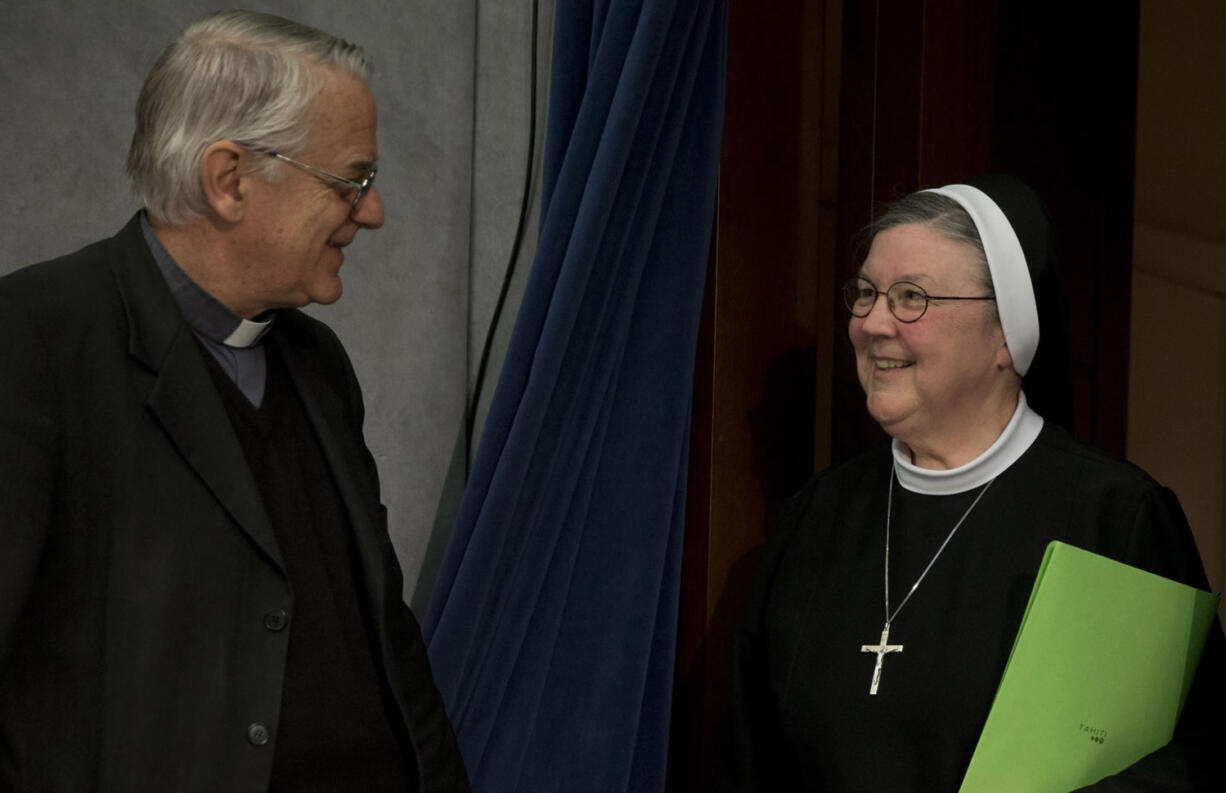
(502, 120)
(417, 292)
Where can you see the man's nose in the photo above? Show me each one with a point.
(369, 213)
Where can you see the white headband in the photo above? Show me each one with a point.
(1015, 302)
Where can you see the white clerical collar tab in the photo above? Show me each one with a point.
(1018, 436)
(246, 334)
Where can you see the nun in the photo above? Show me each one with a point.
(890, 594)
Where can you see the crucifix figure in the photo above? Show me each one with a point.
(881, 649)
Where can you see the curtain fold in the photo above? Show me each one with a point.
(553, 623)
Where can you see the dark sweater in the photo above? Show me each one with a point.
(337, 729)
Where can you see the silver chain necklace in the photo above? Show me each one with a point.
(883, 648)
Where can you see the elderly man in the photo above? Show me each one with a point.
(197, 589)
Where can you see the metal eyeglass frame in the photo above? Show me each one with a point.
(361, 187)
(853, 287)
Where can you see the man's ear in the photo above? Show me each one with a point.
(225, 180)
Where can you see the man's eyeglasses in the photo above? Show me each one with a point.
(360, 188)
(906, 301)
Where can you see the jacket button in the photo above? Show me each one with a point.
(275, 620)
(257, 733)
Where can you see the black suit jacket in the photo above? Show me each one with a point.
(137, 563)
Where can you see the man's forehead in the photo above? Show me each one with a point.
(342, 122)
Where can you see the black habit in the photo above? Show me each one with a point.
(803, 718)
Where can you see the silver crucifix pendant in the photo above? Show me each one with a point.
(881, 650)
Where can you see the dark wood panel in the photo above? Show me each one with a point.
(1042, 90)
(1065, 120)
(754, 428)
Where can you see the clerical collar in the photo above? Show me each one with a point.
(1017, 437)
(204, 313)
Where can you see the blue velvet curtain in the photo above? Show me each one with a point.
(553, 623)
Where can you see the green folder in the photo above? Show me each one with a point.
(1097, 676)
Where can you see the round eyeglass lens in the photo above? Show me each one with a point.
(907, 301)
(859, 296)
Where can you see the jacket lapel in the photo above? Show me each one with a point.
(341, 444)
(181, 395)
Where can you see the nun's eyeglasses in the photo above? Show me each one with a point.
(906, 301)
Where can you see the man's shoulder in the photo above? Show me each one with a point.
(81, 272)
(72, 298)
(54, 274)
(59, 300)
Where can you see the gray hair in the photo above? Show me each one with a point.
(943, 215)
(235, 75)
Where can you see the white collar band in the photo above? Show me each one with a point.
(1017, 437)
(246, 334)
(1015, 300)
